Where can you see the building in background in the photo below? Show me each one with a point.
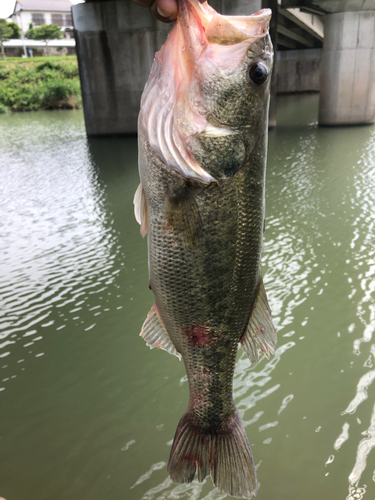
(40, 12)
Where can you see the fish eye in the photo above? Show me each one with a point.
(258, 73)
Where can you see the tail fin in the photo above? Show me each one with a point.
(226, 456)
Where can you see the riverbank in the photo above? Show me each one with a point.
(39, 83)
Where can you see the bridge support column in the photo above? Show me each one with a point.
(347, 84)
(116, 42)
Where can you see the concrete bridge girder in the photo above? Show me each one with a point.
(312, 25)
(293, 35)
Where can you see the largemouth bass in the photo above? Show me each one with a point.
(202, 158)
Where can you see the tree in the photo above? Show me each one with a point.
(16, 30)
(45, 32)
(5, 32)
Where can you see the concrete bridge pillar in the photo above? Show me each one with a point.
(116, 41)
(347, 85)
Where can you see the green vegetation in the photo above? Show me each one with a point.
(45, 32)
(8, 31)
(5, 33)
(16, 32)
(39, 83)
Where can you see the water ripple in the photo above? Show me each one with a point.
(58, 244)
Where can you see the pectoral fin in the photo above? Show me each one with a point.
(260, 329)
(155, 333)
(182, 216)
(140, 209)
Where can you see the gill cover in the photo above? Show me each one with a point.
(172, 110)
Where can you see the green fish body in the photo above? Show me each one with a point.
(202, 158)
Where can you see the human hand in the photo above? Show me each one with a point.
(163, 10)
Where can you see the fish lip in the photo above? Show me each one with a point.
(238, 29)
(263, 13)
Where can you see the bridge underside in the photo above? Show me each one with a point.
(298, 30)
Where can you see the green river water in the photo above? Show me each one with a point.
(88, 411)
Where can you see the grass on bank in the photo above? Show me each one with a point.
(38, 83)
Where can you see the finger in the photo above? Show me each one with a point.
(165, 10)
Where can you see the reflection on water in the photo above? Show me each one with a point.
(88, 411)
(57, 243)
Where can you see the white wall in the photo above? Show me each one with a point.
(23, 19)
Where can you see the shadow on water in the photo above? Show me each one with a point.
(88, 411)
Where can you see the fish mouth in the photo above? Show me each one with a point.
(231, 30)
(200, 22)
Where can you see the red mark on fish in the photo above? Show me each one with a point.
(200, 335)
(198, 399)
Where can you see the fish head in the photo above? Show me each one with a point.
(230, 84)
(205, 105)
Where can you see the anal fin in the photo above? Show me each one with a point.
(155, 333)
(260, 330)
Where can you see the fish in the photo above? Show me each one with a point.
(202, 135)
